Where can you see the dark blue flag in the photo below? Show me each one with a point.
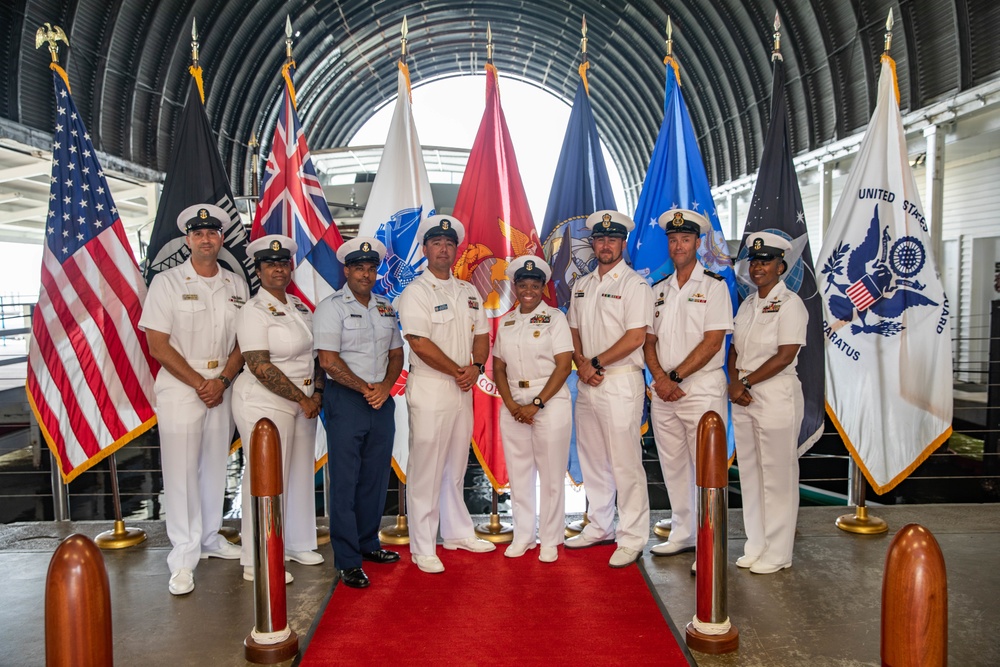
(777, 194)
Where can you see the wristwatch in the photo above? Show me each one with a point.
(481, 367)
(225, 381)
(537, 402)
(674, 377)
(596, 363)
(746, 381)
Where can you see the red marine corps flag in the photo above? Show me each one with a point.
(492, 205)
(90, 376)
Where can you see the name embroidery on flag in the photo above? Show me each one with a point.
(541, 319)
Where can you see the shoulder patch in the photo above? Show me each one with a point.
(713, 274)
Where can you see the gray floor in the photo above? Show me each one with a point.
(823, 611)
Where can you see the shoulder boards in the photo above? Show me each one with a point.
(713, 274)
(664, 278)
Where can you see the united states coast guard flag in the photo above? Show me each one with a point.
(888, 343)
(400, 198)
(90, 376)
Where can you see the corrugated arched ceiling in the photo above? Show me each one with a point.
(128, 65)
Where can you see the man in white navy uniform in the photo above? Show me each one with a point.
(608, 316)
(692, 313)
(445, 324)
(190, 322)
(356, 334)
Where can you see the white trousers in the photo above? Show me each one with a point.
(440, 436)
(541, 450)
(194, 447)
(675, 427)
(609, 438)
(253, 401)
(767, 434)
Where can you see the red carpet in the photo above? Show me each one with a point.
(486, 609)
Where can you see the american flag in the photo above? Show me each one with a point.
(90, 376)
(292, 203)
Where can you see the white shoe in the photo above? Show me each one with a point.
(304, 557)
(745, 561)
(670, 549)
(623, 557)
(768, 568)
(473, 544)
(430, 564)
(582, 541)
(548, 554)
(517, 550)
(248, 574)
(225, 550)
(181, 582)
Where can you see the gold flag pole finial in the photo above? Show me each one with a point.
(583, 40)
(670, 38)
(51, 35)
(888, 32)
(288, 38)
(489, 42)
(402, 41)
(776, 49)
(194, 42)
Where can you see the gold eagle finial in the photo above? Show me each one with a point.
(51, 35)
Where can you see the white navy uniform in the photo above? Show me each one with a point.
(609, 416)
(450, 314)
(681, 316)
(767, 430)
(284, 330)
(199, 315)
(528, 344)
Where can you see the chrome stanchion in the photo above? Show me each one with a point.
(271, 640)
(859, 522)
(60, 493)
(711, 631)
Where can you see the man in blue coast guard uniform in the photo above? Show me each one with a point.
(692, 313)
(357, 336)
(445, 323)
(190, 322)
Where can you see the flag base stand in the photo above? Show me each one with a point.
(862, 524)
(231, 534)
(397, 535)
(121, 537)
(712, 644)
(322, 535)
(574, 528)
(494, 531)
(662, 528)
(271, 654)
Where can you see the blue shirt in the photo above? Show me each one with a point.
(361, 336)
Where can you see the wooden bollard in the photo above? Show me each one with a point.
(710, 631)
(271, 640)
(914, 601)
(77, 607)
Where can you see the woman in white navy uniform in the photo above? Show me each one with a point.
(275, 335)
(532, 357)
(769, 329)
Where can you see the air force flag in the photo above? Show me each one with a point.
(887, 337)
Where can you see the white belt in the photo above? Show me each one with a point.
(615, 370)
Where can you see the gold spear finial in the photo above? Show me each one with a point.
(670, 38)
(583, 41)
(776, 50)
(888, 32)
(51, 35)
(402, 41)
(254, 191)
(489, 42)
(288, 37)
(194, 42)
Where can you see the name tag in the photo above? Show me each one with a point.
(579, 295)
(360, 317)
(438, 309)
(473, 303)
(658, 302)
(189, 297)
(509, 323)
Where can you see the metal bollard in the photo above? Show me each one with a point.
(914, 600)
(271, 640)
(77, 607)
(710, 631)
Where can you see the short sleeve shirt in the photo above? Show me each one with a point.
(528, 343)
(284, 330)
(603, 309)
(361, 335)
(682, 315)
(763, 324)
(448, 312)
(199, 314)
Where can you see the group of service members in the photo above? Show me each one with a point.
(345, 358)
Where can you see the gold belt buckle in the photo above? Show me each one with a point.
(213, 364)
(523, 384)
(307, 382)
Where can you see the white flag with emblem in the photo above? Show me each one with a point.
(400, 198)
(887, 336)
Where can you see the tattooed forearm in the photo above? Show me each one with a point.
(340, 372)
(259, 363)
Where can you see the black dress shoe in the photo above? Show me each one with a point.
(380, 556)
(354, 577)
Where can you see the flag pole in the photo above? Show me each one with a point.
(859, 522)
(399, 534)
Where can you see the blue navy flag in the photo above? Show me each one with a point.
(776, 207)
(581, 186)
